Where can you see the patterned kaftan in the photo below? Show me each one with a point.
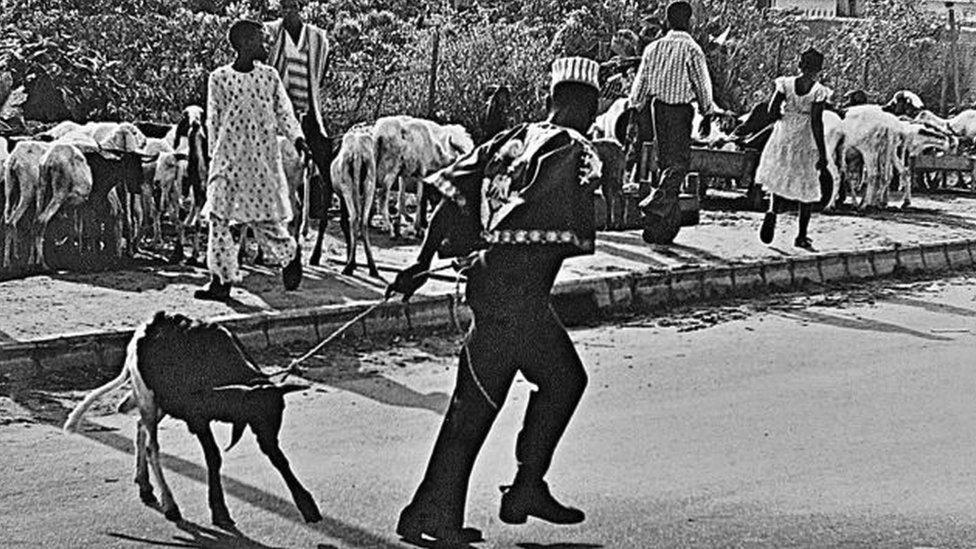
(245, 114)
(788, 165)
(246, 185)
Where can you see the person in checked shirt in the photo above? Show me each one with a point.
(672, 74)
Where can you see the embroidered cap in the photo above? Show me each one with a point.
(575, 69)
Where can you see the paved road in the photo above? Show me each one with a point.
(838, 420)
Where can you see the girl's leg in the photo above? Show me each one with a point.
(805, 212)
(802, 240)
(768, 230)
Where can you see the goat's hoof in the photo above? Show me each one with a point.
(223, 521)
(173, 514)
(374, 273)
(349, 270)
(315, 259)
(312, 515)
(148, 497)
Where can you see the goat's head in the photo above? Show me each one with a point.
(904, 103)
(111, 169)
(721, 121)
(757, 120)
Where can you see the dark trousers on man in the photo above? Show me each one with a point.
(662, 213)
(532, 341)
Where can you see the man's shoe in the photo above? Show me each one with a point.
(804, 242)
(291, 275)
(522, 501)
(415, 525)
(768, 229)
(216, 291)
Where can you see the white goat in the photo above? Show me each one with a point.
(354, 178)
(66, 174)
(407, 147)
(21, 189)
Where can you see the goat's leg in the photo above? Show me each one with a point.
(401, 215)
(348, 216)
(196, 240)
(395, 219)
(363, 225)
(364, 231)
(142, 467)
(420, 221)
(138, 219)
(9, 245)
(170, 510)
(316, 256)
(303, 499)
(215, 491)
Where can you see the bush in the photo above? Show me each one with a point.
(897, 47)
(147, 59)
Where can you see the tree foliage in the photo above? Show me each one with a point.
(147, 59)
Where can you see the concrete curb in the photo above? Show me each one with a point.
(577, 301)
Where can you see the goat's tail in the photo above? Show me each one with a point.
(74, 418)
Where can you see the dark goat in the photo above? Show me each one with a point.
(754, 132)
(194, 182)
(612, 180)
(104, 212)
(496, 115)
(198, 372)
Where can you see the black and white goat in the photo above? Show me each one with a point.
(198, 372)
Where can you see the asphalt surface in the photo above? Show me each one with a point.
(845, 419)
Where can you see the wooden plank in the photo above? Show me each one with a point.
(943, 163)
(719, 163)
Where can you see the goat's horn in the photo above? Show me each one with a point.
(236, 434)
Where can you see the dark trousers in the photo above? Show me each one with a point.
(533, 342)
(673, 131)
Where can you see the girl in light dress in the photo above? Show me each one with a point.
(794, 161)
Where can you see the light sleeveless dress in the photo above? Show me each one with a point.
(788, 165)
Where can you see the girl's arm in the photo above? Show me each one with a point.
(816, 121)
(775, 108)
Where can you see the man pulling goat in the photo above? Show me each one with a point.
(520, 205)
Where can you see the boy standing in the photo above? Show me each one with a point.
(247, 108)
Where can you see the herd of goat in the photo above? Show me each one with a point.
(113, 185)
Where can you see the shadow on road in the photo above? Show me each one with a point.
(201, 538)
(342, 369)
(558, 546)
(859, 324)
(47, 408)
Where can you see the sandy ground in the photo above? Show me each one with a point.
(71, 303)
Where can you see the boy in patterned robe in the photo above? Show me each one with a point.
(515, 208)
(247, 108)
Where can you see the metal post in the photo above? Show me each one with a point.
(953, 52)
(432, 89)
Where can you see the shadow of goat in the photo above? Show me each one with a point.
(198, 372)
